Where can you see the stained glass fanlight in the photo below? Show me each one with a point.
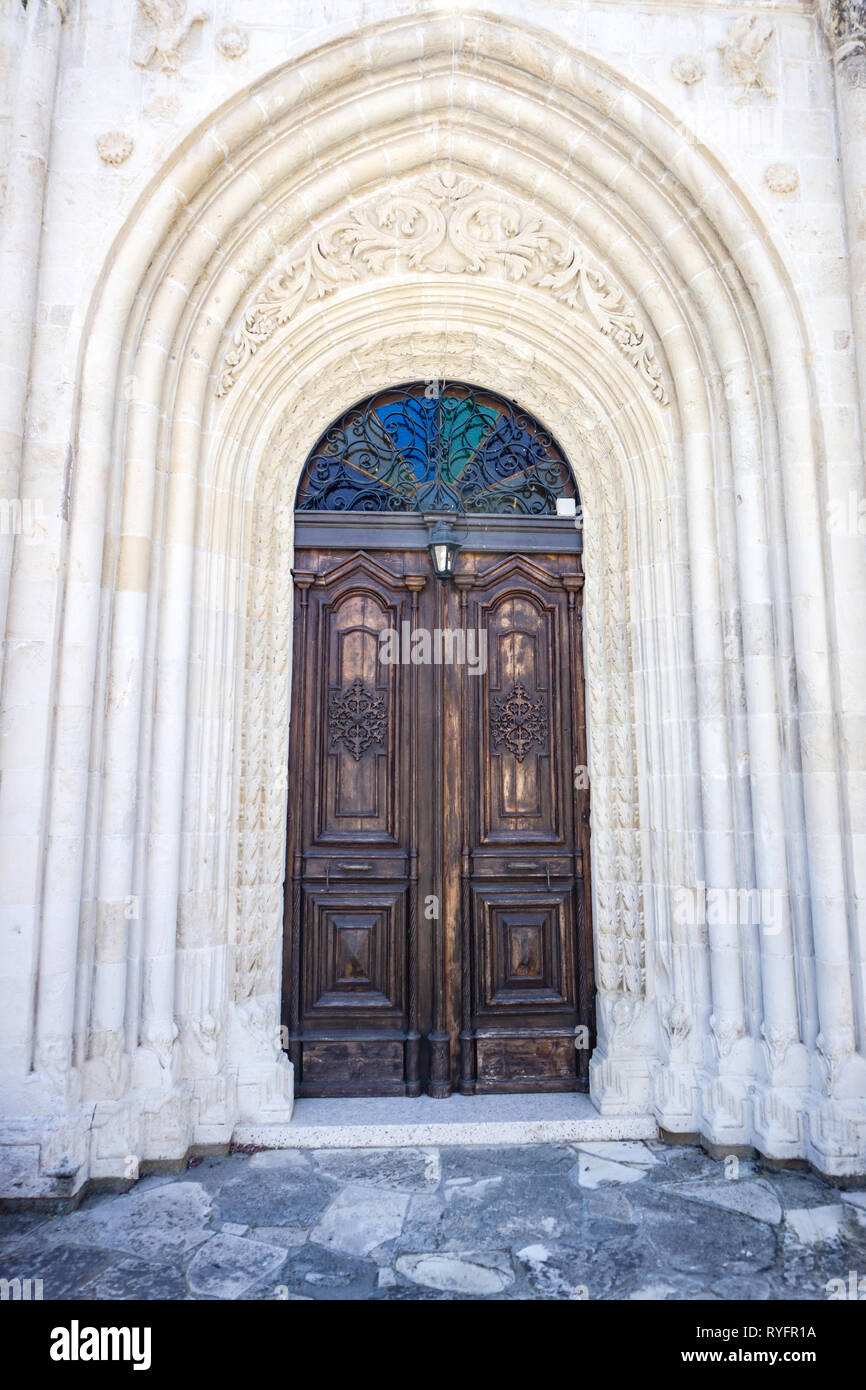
(436, 447)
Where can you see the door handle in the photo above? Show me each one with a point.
(519, 864)
(356, 868)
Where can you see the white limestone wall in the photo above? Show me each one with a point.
(141, 829)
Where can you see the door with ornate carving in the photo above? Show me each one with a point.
(437, 923)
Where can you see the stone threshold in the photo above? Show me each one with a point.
(400, 1122)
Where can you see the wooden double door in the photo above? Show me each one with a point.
(437, 931)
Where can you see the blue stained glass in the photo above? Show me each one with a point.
(441, 446)
(413, 425)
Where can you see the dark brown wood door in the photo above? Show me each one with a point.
(437, 924)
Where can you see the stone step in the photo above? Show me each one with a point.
(401, 1122)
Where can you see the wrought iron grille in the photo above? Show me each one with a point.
(436, 447)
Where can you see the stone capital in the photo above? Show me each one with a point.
(844, 23)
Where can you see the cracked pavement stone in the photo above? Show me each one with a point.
(685, 1239)
(317, 1272)
(273, 1197)
(547, 1274)
(130, 1279)
(360, 1218)
(227, 1265)
(403, 1170)
(465, 1190)
(802, 1190)
(287, 1236)
(816, 1225)
(62, 1268)
(590, 1171)
(736, 1288)
(479, 1274)
(156, 1223)
(19, 1227)
(611, 1204)
(621, 1151)
(752, 1198)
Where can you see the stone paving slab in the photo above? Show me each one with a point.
(619, 1220)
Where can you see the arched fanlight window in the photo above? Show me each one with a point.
(436, 447)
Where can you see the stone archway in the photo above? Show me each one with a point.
(648, 323)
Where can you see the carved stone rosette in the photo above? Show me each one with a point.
(687, 69)
(114, 147)
(782, 178)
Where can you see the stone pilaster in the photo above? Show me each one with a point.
(844, 24)
(19, 245)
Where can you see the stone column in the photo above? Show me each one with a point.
(26, 656)
(19, 247)
(845, 27)
(844, 23)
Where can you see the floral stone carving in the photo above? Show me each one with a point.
(232, 42)
(114, 147)
(687, 70)
(782, 178)
(442, 222)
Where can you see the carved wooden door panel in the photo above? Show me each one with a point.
(437, 930)
(525, 931)
(351, 971)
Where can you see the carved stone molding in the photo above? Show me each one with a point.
(442, 222)
(54, 1059)
(777, 1043)
(105, 1060)
(726, 1032)
(743, 51)
(163, 28)
(676, 1021)
(619, 921)
(834, 1047)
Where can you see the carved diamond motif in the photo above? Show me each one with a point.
(357, 717)
(518, 722)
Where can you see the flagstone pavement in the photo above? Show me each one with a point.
(542, 1221)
